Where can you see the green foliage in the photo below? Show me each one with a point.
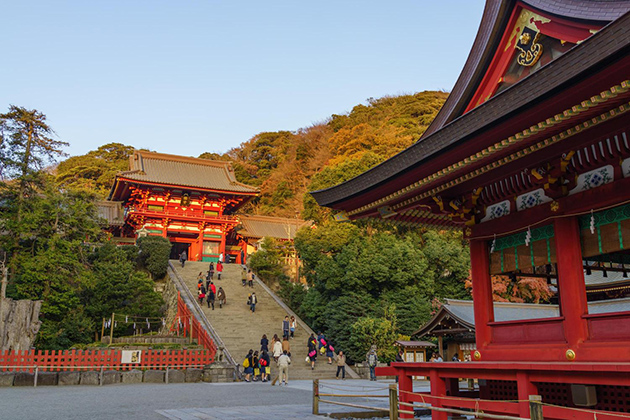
(449, 257)
(26, 145)
(379, 274)
(379, 331)
(96, 170)
(411, 307)
(268, 261)
(153, 255)
(333, 175)
(293, 294)
(51, 260)
(113, 285)
(339, 317)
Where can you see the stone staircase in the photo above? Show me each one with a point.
(241, 330)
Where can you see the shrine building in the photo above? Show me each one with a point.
(192, 202)
(530, 158)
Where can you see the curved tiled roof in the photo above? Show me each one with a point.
(491, 28)
(462, 311)
(267, 226)
(183, 171)
(599, 50)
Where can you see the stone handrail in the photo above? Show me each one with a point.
(190, 300)
(299, 320)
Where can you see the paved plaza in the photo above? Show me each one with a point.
(230, 401)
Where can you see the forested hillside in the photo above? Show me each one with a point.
(287, 164)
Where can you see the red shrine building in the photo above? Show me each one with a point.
(530, 158)
(192, 202)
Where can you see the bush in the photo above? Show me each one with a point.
(153, 255)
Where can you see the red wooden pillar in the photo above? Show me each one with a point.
(405, 387)
(525, 389)
(222, 246)
(481, 291)
(438, 389)
(200, 245)
(571, 286)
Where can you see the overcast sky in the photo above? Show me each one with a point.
(186, 77)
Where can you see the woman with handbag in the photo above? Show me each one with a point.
(312, 350)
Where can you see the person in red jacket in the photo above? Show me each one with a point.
(219, 270)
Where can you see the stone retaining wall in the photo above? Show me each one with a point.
(216, 372)
(170, 299)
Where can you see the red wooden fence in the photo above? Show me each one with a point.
(58, 360)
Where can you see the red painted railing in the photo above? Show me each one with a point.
(188, 325)
(515, 382)
(76, 360)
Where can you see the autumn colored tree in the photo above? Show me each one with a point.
(523, 290)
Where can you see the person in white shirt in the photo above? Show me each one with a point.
(283, 366)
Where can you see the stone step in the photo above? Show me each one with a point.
(241, 330)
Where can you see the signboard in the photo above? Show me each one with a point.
(131, 356)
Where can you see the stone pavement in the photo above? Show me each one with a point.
(229, 401)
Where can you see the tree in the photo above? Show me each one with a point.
(268, 262)
(96, 170)
(380, 331)
(27, 146)
(523, 289)
(153, 254)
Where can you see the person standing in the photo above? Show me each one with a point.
(292, 326)
(251, 278)
(372, 361)
(283, 365)
(277, 349)
(321, 340)
(341, 365)
(312, 350)
(272, 346)
(265, 368)
(264, 343)
(219, 270)
(211, 295)
(183, 257)
(211, 271)
(244, 276)
(220, 258)
(201, 294)
(256, 366)
(286, 346)
(285, 327)
(330, 352)
(248, 364)
(221, 297)
(254, 301)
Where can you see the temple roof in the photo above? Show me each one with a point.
(462, 312)
(493, 22)
(587, 58)
(183, 171)
(267, 226)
